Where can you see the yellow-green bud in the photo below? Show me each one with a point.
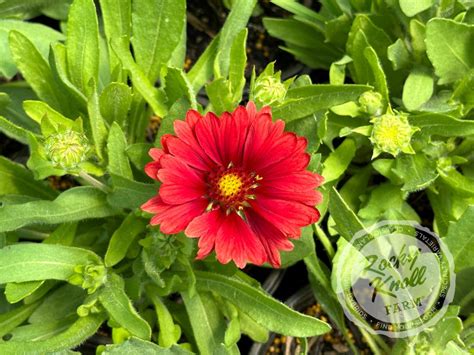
(67, 149)
(268, 90)
(371, 102)
(90, 277)
(89, 307)
(392, 134)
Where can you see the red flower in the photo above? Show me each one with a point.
(238, 183)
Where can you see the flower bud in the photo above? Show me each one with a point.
(90, 277)
(89, 307)
(371, 102)
(269, 90)
(67, 149)
(392, 134)
(268, 87)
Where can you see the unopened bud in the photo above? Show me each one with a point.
(371, 102)
(392, 134)
(67, 150)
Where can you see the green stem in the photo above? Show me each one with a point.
(32, 234)
(89, 180)
(323, 238)
(371, 342)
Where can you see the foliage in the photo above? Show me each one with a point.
(412, 134)
(403, 128)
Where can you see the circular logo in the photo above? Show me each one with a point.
(395, 278)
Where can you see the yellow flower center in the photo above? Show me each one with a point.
(229, 184)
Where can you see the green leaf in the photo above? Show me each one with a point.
(262, 308)
(442, 125)
(365, 33)
(37, 110)
(238, 61)
(13, 131)
(170, 332)
(15, 292)
(35, 69)
(142, 347)
(157, 27)
(464, 92)
(379, 80)
(302, 38)
(234, 24)
(220, 95)
(398, 54)
(12, 319)
(116, 15)
(58, 63)
(203, 69)
(138, 154)
(347, 223)
(39, 331)
(114, 102)
(202, 323)
(337, 71)
(82, 45)
(302, 248)
(178, 86)
(97, 123)
(40, 35)
(59, 304)
(303, 101)
(458, 182)
(12, 96)
(320, 281)
(123, 237)
(418, 88)
(34, 262)
(337, 162)
(15, 179)
(118, 159)
(450, 47)
(411, 8)
(75, 204)
(120, 308)
(418, 36)
(79, 331)
(129, 193)
(416, 171)
(155, 98)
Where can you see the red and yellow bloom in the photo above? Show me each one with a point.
(238, 183)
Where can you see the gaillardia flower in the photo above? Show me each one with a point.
(238, 183)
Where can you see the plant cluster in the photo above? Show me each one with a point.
(105, 106)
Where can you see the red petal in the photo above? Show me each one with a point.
(205, 227)
(207, 133)
(272, 239)
(192, 155)
(156, 153)
(175, 171)
(153, 205)
(236, 241)
(287, 216)
(176, 194)
(299, 186)
(151, 169)
(174, 218)
(192, 116)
